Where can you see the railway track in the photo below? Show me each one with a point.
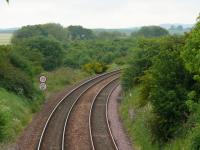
(100, 132)
(57, 131)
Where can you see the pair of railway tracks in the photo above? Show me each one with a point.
(79, 120)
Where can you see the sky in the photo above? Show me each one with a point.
(98, 13)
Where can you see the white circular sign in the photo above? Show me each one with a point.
(43, 86)
(43, 79)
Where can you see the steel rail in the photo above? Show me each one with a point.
(60, 102)
(67, 118)
(107, 120)
(90, 126)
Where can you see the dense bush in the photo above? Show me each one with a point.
(14, 80)
(48, 50)
(79, 53)
(95, 67)
(139, 62)
(168, 95)
(158, 68)
(191, 52)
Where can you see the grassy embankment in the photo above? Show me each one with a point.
(16, 111)
(136, 121)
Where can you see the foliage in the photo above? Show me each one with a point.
(137, 124)
(139, 62)
(12, 77)
(164, 83)
(95, 67)
(62, 78)
(191, 52)
(15, 113)
(46, 30)
(79, 33)
(150, 31)
(109, 35)
(168, 95)
(49, 50)
(80, 53)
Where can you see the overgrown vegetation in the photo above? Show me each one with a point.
(161, 82)
(164, 74)
(64, 55)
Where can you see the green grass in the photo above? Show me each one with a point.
(61, 78)
(15, 113)
(135, 120)
(5, 38)
(138, 127)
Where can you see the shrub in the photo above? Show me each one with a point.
(95, 67)
(14, 80)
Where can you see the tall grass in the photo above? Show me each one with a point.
(62, 78)
(15, 113)
(135, 120)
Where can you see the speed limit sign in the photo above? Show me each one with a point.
(43, 79)
(43, 86)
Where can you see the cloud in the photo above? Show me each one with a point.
(98, 13)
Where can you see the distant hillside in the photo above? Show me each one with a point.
(168, 26)
(172, 28)
(177, 28)
(127, 31)
(9, 30)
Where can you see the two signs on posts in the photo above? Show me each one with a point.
(43, 80)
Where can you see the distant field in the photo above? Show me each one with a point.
(5, 38)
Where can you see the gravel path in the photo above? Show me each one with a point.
(116, 125)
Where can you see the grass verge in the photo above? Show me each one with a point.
(16, 111)
(135, 120)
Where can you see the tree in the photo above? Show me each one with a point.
(79, 33)
(50, 48)
(191, 52)
(45, 30)
(151, 31)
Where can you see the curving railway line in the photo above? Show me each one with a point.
(79, 120)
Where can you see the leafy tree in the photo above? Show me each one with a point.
(191, 52)
(46, 30)
(109, 35)
(14, 78)
(151, 31)
(50, 49)
(79, 33)
(168, 95)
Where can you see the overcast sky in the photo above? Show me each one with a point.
(98, 13)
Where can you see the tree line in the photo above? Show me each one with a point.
(167, 71)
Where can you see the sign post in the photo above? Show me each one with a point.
(43, 80)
